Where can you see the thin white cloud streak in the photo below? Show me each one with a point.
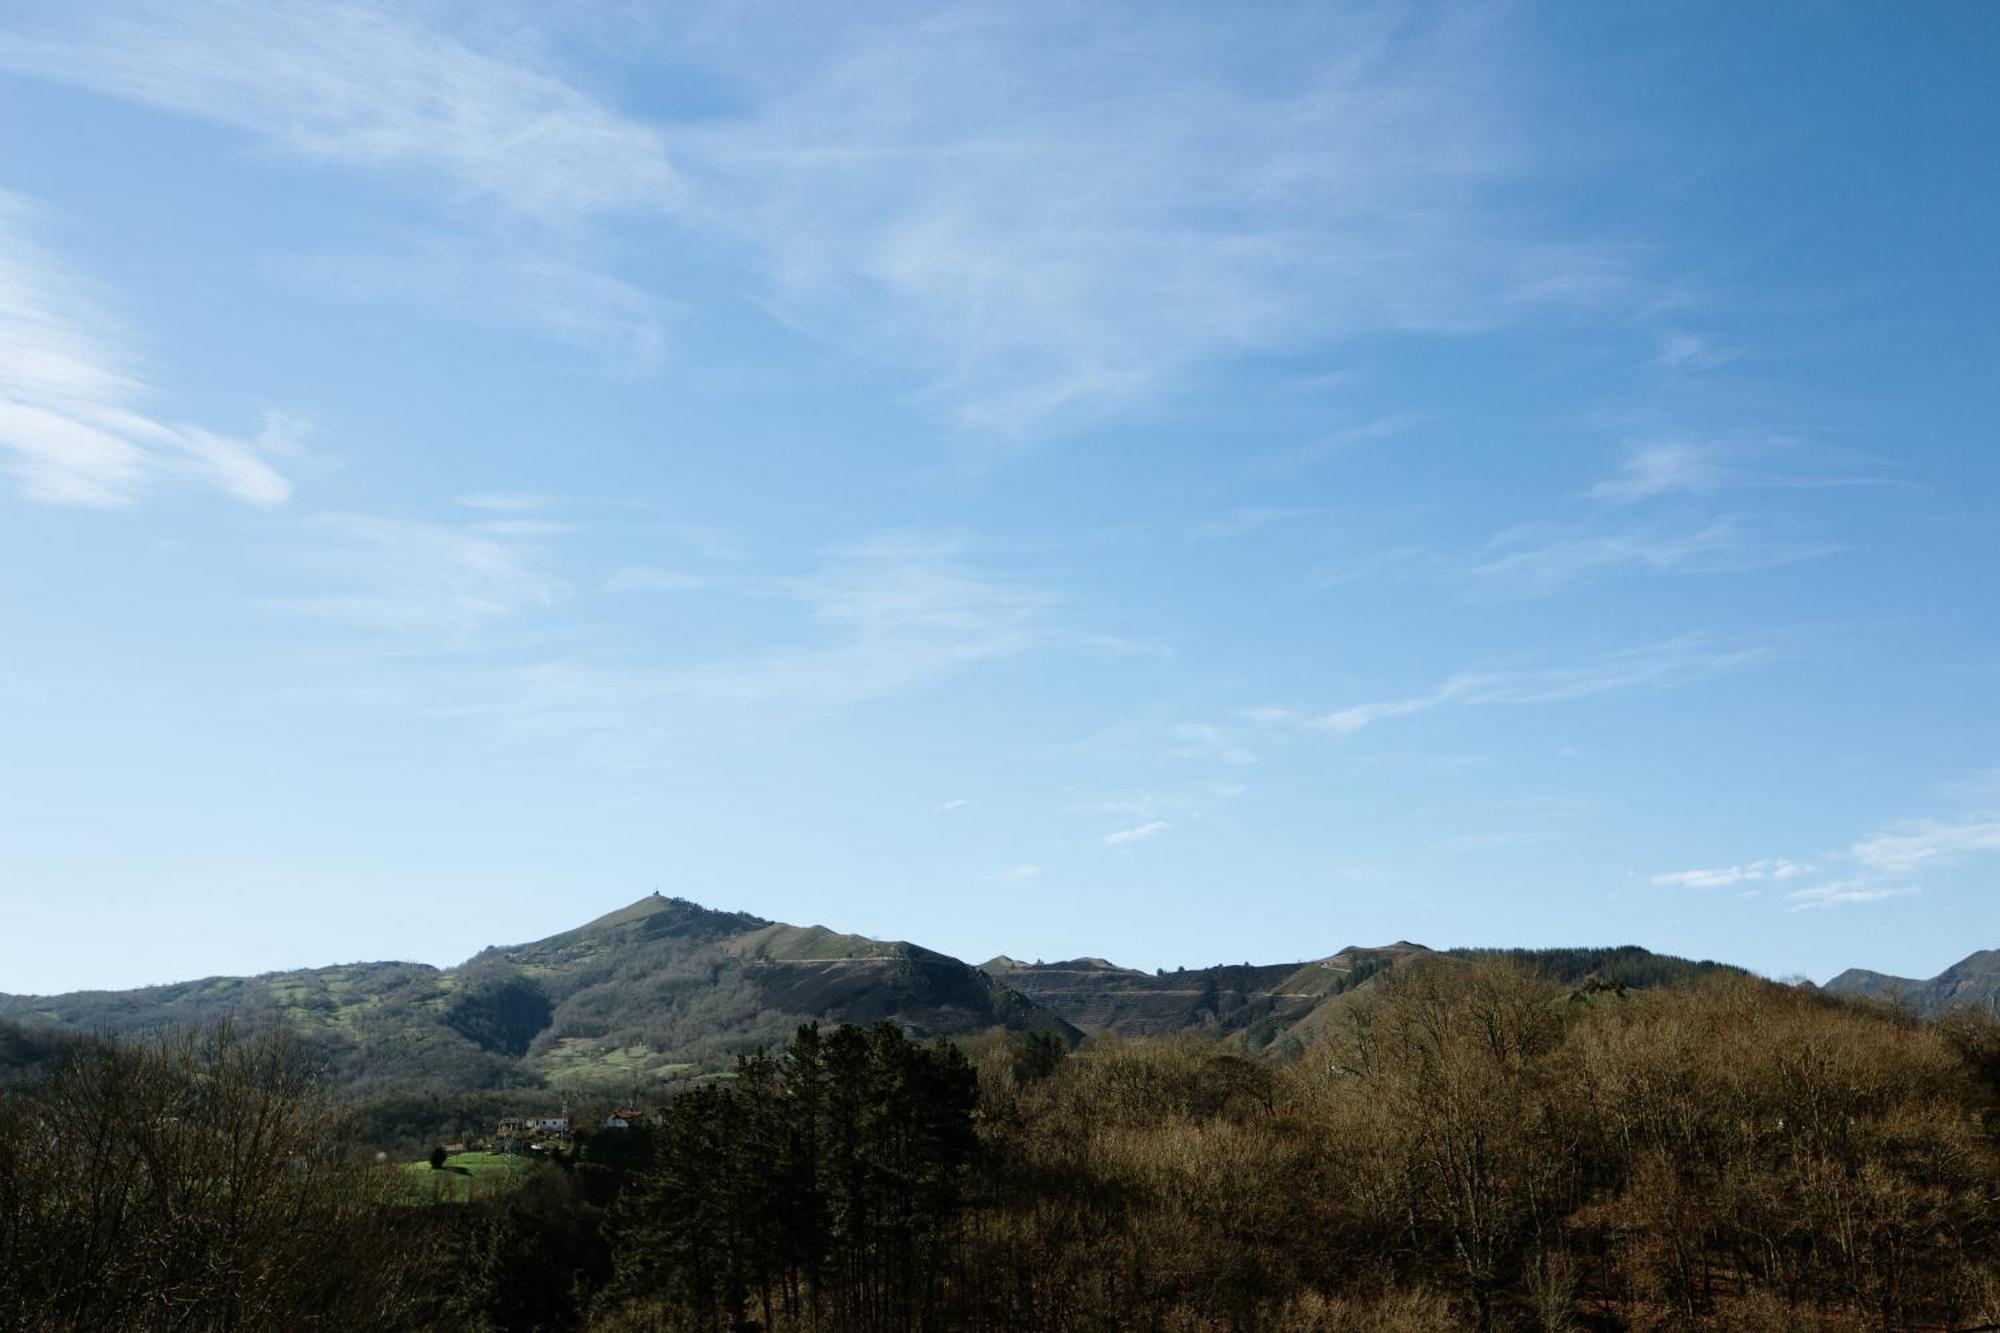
(1677, 467)
(1672, 664)
(1876, 868)
(1526, 563)
(1822, 897)
(1725, 877)
(1687, 351)
(1543, 559)
(70, 432)
(1660, 469)
(1205, 740)
(410, 576)
(1125, 837)
(1251, 519)
(1534, 563)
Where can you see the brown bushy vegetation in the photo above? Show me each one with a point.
(1475, 1147)
(1480, 1149)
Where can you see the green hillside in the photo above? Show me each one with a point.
(656, 990)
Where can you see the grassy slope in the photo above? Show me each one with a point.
(465, 1176)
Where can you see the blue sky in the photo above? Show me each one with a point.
(1187, 483)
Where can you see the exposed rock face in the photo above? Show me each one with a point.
(1256, 1003)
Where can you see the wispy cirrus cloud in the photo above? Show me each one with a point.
(1076, 238)
(1695, 466)
(1650, 519)
(363, 87)
(1881, 866)
(1671, 664)
(1027, 242)
(1125, 837)
(528, 167)
(877, 618)
(1535, 562)
(1924, 844)
(414, 576)
(1655, 516)
(1651, 470)
(1205, 740)
(1892, 862)
(1821, 897)
(1690, 351)
(71, 428)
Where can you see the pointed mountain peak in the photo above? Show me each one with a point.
(650, 905)
(657, 914)
(1984, 963)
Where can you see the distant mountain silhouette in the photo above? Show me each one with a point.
(1973, 980)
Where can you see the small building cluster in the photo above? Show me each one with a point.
(533, 1133)
(528, 1133)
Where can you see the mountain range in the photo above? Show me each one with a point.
(665, 989)
(660, 988)
(1973, 980)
